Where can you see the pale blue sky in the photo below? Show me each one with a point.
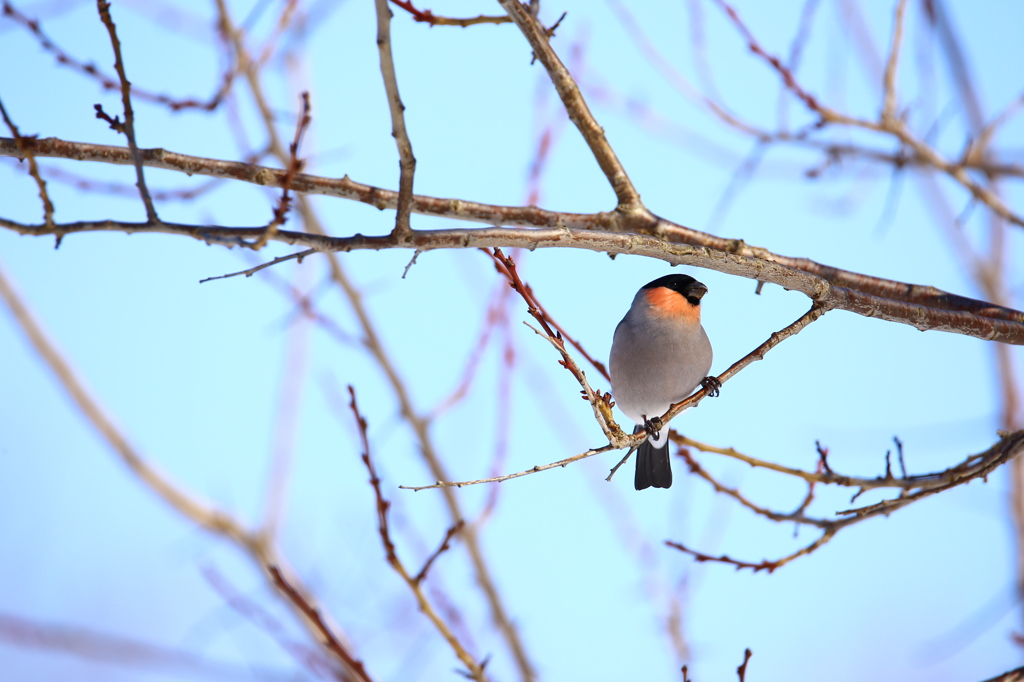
(193, 373)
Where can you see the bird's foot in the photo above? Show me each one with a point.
(653, 426)
(711, 385)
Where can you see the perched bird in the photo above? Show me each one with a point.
(660, 354)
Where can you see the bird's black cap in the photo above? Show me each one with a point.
(683, 284)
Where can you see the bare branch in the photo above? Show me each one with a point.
(199, 512)
(576, 107)
(294, 166)
(506, 477)
(407, 161)
(863, 294)
(765, 565)
(33, 167)
(888, 116)
(476, 670)
(252, 271)
(63, 58)
(427, 17)
(129, 116)
(329, 640)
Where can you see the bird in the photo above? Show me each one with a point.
(660, 354)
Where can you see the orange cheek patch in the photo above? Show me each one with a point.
(667, 303)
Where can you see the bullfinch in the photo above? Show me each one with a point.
(660, 354)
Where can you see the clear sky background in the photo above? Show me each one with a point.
(195, 374)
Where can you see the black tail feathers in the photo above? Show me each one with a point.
(653, 467)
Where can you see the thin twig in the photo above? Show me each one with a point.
(427, 17)
(327, 636)
(506, 266)
(445, 545)
(476, 670)
(64, 58)
(742, 670)
(252, 271)
(33, 168)
(294, 166)
(407, 161)
(888, 115)
(506, 477)
(765, 565)
(129, 115)
(758, 353)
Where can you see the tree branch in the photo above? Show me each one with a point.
(407, 161)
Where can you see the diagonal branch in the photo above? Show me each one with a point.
(201, 513)
(576, 107)
(414, 583)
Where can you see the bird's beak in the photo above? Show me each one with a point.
(697, 290)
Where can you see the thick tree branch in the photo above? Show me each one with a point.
(818, 289)
(523, 216)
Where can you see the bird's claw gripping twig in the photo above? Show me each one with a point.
(712, 386)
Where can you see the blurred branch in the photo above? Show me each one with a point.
(107, 82)
(888, 123)
(375, 348)
(414, 583)
(199, 512)
(90, 644)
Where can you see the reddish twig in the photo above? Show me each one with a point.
(475, 669)
(427, 17)
(766, 565)
(784, 72)
(329, 640)
(822, 456)
(310, 658)
(506, 266)
(742, 670)
(294, 166)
